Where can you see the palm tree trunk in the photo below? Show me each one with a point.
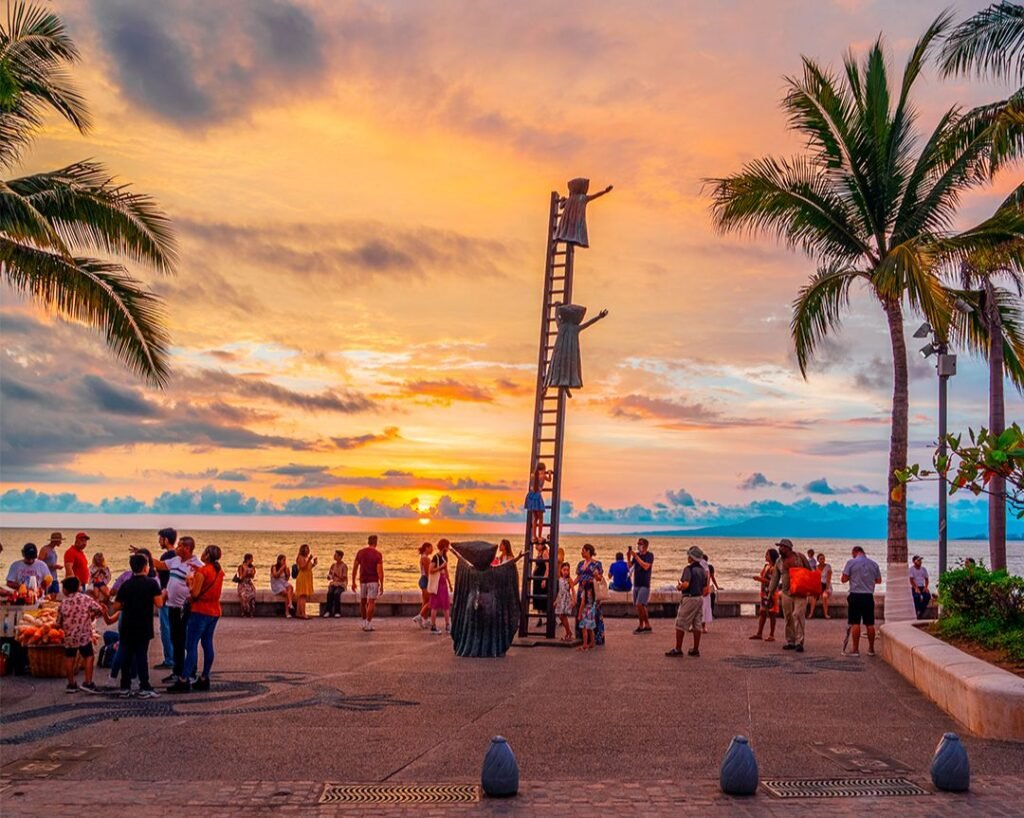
(899, 605)
(996, 425)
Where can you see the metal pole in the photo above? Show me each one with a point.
(943, 383)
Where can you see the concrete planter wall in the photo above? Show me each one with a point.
(987, 700)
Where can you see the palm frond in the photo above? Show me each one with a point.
(908, 271)
(88, 210)
(969, 331)
(99, 293)
(990, 42)
(794, 201)
(818, 310)
(20, 220)
(35, 51)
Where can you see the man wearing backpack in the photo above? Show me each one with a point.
(794, 608)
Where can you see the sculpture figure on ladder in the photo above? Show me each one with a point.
(565, 370)
(572, 225)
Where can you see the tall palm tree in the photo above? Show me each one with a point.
(874, 204)
(991, 43)
(47, 220)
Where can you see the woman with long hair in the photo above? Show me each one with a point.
(306, 562)
(205, 586)
(245, 577)
(769, 608)
(588, 571)
(279, 584)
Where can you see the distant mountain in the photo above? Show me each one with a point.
(853, 529)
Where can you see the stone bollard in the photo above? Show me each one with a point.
(500, 776)
(951, 769)
(738, 774)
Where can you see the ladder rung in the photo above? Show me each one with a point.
(548, 440)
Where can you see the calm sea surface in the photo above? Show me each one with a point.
(736, 560)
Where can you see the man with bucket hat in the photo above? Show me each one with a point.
(794, 608)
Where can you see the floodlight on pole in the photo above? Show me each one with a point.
(923, 331)
(929, 350)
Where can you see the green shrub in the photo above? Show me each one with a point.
(986, 607)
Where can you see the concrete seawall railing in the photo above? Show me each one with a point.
(407, 603)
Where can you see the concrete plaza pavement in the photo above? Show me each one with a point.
(296, 704)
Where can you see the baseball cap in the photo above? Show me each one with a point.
(784, 542)
(915, 558)
(81, 535)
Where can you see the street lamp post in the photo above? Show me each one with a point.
(945, 365)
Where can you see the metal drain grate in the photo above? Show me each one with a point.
(841, 787)
(378, 794)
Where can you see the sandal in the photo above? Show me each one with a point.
(673, 652)
(769, 639)
(756, 636)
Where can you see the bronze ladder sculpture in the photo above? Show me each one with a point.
(548, 430)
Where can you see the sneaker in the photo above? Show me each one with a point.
(125, 694)
(871, 653)
(89, 687)
(169, 680)
(369, 626)
(800, 648)
(425, 624)
(436, 631)
(638, 630)
(417, 620)
(693, 653)
(148, 693)
(201, 684)
(789, 646)
(180, 687)
(852, 653)
(164, 666)
(71, 688)
(337, 616)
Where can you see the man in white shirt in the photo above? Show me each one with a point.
(178, 596)
(919, 586)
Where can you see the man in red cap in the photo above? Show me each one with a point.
(75, 563)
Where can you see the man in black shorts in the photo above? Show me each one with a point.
(863, 574)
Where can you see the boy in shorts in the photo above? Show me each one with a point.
(75, 617)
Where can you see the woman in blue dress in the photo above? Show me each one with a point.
(588, 570)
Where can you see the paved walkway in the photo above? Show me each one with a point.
(397, 707)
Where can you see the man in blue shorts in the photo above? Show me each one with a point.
(642, 562)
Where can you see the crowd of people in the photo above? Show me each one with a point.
(184, 590)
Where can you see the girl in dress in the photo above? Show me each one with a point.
(424, 582)
(440, 588)
(534, 504)
(246, 586)
(566, 370)
(563, 602)
(588, 617)
(99, 576)
(572, 225)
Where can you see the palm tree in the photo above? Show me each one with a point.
(992, 43)
(47, 220)
(874, 204)
(994, 329)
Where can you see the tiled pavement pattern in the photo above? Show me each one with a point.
(64, 798)
(298, 704)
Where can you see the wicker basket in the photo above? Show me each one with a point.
(46, 661)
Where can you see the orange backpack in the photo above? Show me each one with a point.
(804, 582)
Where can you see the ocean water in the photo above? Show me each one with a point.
(736, 560)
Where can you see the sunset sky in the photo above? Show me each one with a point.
(360, 193)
